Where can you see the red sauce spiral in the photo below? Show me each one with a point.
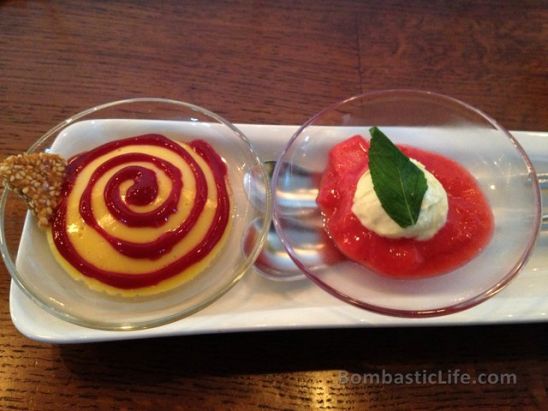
(143, 191)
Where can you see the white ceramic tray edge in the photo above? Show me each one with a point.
(36, 324)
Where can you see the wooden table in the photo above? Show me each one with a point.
(269, 62)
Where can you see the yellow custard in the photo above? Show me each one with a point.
(94, 248)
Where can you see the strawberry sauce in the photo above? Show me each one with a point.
(467, 231)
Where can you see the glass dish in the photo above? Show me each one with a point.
(431, 122)
(37, 273)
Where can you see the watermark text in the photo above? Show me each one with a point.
(453, 376)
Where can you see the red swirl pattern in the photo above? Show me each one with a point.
(143, 191)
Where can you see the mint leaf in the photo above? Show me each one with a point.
(400, 185)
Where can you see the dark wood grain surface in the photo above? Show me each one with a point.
(269, 62)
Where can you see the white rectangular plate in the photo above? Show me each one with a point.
(257, 304)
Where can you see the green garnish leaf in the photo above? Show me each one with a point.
(400, 185)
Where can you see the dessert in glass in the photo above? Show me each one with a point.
(412, 277)
(154, 192)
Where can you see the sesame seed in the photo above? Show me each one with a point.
(38, 178)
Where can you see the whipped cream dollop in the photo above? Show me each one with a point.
(433, 214)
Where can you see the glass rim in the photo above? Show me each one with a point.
(405, 313)
(239, 271)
